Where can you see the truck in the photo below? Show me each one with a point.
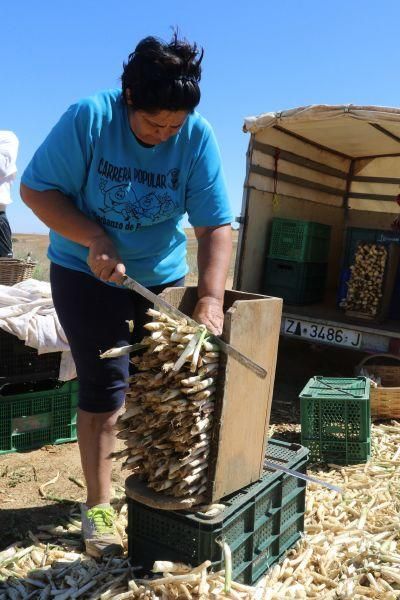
(335, 165)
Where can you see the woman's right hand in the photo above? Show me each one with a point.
(104, 261)
(58, 212)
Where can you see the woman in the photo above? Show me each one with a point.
(112, 181)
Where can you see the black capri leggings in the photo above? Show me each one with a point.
(93, 315)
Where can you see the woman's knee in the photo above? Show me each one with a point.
(103, 422)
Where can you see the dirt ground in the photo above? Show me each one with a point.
(35, 245)
(23, 507)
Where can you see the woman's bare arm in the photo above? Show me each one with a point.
(57, 211)
(213, 258)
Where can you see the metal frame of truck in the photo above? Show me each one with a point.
(338, 165)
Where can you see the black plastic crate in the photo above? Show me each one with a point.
(19, 362)
(296, 283)
(260, 523)
(394, 308)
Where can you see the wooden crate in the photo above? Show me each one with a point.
(243, 400)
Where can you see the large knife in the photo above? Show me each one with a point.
(271, 465)
(168, 309)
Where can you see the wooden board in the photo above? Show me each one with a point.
(355, 314)
(139, 491)
(252, 326)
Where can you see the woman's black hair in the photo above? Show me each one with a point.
(163, 76)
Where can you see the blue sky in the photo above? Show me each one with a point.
(259, 56)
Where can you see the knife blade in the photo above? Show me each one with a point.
(171, 310)
(271, 465)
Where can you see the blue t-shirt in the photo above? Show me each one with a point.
(137, 194)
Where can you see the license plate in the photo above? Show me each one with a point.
(324, 334)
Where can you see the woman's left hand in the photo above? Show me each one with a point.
(209, 312)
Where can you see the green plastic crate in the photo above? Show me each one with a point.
(260, 523)
(301, 241)
(297, 283)
(338, 453)
(35, 418)
(335, 419)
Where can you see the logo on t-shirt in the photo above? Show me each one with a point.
(120, 200)
(173, 179)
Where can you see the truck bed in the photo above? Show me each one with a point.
(318, 322)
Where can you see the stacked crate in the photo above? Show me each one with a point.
(297, 262)
(260, 522)
(35, 407)
(336, 419)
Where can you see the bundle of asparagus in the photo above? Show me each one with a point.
(168, 419)
(366, 280)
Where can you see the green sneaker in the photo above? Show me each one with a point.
(99, 532)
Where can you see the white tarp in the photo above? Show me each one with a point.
(27, 311)
(348, 129)
(367, 135)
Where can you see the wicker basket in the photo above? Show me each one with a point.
(385, 398)
(14, 270)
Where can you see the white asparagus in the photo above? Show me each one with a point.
(168, 420)
(114, 352)
(200, 386)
